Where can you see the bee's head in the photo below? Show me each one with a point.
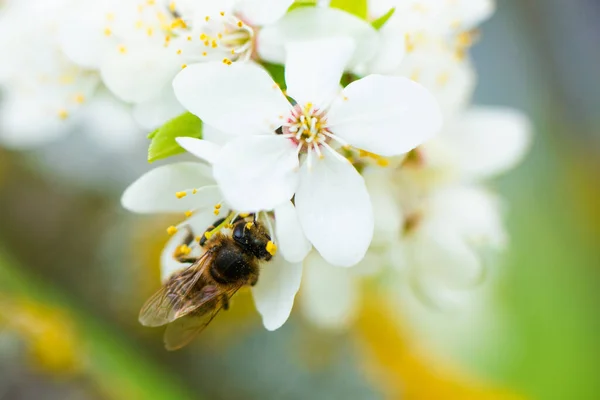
(254, 239)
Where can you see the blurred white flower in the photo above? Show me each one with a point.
(42, 89)
(262, 168)
(188, 188)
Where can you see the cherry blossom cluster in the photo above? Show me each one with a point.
(346, 127)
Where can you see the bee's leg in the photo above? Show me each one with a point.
(253, 280)
(203, 238)
(184, 257)
(225, 302)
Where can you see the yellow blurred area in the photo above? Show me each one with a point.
(49, 335)
(408, 374)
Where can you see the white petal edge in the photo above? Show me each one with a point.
(329, 296)
(316, 82)
(239, 99)
(262, 12)
(335, 211)
(386, 115)
(308, 23)
(291, 241)
(275, 290)
(488, 141)
(203, 149)
(154, 192)
(257, 172)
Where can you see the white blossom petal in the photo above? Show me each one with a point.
(316, 82)
(138, 73)
(203, 149)
(214, 135)
(329, 296)
(239, 99)
(488, 141)
(291, 241)
(309, 23)
(258, 172)
(154, 191)
(153, 113)
(385, 115)
(274, 293)
(262, 12)
(335, 210)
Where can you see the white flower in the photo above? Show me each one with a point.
(261, 169)
(42, 89)
(188, 187)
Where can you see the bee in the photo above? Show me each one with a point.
(231, 253)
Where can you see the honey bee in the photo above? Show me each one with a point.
(191, 298)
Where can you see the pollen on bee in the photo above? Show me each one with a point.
(184, 249)
(249, 225)
(244, 215)
(172, 230)
(208, 235)
(271, 248)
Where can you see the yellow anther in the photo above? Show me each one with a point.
(218, 206)
(63, 114)
(194, 191)
(409, 43)
(189, 38)
(183, 66)
(345, 98)
(180, 195)
(208, 235)
(271, 248)
(149, 31)
(179, 51)
(443, 78)
(222, 13)
(110, 16)
(172, 230)
(198, 239)
(240, 24)
(188, 214)
(216, 211)
(381, 161)
(207, 18)
(227, 61)
(204, 53)
(203, 37)
(107, 32)
(122, 49)
(214, 44)
(79, 98)
(139, 24)
(249, 225)
(172, 6)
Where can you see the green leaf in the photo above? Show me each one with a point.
(302, 3)
(356, 7)
(277, 72)
(163, 143)
(380, 22)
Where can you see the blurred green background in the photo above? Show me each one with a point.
(75, 268)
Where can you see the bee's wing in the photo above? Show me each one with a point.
(173, 300)
(181, 331)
